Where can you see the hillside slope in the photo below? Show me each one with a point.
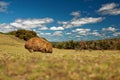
(11, 44)
(9, 40)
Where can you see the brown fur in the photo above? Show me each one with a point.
(38, 44)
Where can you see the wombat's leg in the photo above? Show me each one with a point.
(30, 50)
(43, 51)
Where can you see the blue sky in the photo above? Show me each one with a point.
(62, 20)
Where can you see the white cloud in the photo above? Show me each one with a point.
(17, 25)
(111, 29)
(116, 34)
(3, 6)
(29, 24)
(32, 23)
(95, 33)
(43, 28)
(76, 21)
(75, 14)
(68, 33)
(86, 32)
(48, 34)
(58, 33)
(82, 31)
(81, 21)
(44, 33)
(34, 30)
(41, 33)
(77, 36)
(56, 28)
(6, 28)
(62, 22)
(110, 8)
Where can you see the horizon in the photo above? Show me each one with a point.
(60, 20)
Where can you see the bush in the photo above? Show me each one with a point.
(24, 34)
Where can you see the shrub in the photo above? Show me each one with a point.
(24, 34)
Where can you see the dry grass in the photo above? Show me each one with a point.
(16, 63)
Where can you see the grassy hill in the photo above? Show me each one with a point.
(16, 63)
(9, 40)
(9, 43)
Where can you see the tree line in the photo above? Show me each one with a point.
(107, 44)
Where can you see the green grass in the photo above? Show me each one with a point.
(16, 63)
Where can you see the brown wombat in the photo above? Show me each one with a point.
(38, 44)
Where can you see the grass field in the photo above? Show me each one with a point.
(16, 63)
